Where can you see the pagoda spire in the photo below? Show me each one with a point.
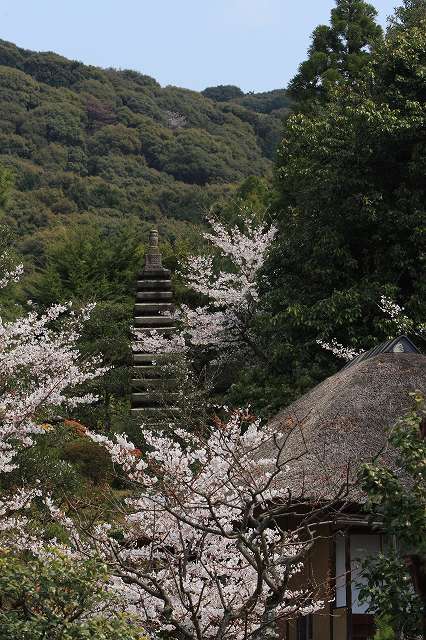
(154, 297)
(153, 260)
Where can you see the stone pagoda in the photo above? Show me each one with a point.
(154, 297)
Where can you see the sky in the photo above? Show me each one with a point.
(254, 44)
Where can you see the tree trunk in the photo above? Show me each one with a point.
(269, 628)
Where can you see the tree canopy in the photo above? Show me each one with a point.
(350, 209)
(338, 51)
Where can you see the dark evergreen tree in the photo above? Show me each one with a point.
(351, 210)
(338, 51)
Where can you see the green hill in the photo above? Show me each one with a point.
(114, 143)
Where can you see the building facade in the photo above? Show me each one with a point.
(342, 423)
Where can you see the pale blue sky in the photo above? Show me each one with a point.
(255, 44)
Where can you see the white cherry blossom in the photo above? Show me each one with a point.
(40, 369)
(231, 293)
(206, 550)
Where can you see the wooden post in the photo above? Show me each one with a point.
(348, 584)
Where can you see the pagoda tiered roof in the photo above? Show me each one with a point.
(152, 390)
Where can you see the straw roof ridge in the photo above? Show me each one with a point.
(343, 421)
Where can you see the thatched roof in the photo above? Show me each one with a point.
(342, 422)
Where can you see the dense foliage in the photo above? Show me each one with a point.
(115, 144)
(396, 586)
(350, 211)
(338, 51)
(60, 599)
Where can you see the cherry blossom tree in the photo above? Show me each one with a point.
(205, 548)
(227, 280)
(231, 292)
(209, 337)
(399, 321)
(339, 350)
(221, 330)
(40, 369)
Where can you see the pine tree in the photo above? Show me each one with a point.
(338, 51)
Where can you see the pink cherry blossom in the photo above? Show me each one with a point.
(206, 550)
(231, 294)
(40, 369)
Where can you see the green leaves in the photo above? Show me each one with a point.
(115, 143)
(6, 183)
(351, 206)
(397, 608)
(398, 501)
(61, 599)
(89, 263)
(338, 52)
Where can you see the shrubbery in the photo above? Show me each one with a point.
(60, 599)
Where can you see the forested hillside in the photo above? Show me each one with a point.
(115, 143)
